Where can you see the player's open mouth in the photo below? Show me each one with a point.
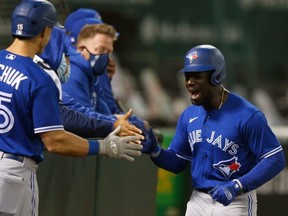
(194, 94)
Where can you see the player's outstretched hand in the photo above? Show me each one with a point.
(150, 144)
(120, 147)
(226, 193)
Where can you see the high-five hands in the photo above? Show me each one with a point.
(120, 147)
(127, 129)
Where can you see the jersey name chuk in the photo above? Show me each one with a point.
(11, 76)
(224, 144)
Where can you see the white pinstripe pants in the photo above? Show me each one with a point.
(202, 204)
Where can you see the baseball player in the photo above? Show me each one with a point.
(227, 140)
(30, 116)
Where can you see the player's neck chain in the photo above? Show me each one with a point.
(222, 96)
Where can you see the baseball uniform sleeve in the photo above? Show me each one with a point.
(45, 108)
(261, 139)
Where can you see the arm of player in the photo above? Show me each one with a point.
(83, 125)
(264, 171)
(165, 159)
(65, 143)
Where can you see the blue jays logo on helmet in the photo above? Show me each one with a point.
(228, 167)
(192, 56)
(204, 58)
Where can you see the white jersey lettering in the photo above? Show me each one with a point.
(211, 137)
(194, 137)
(222, 143)
(11, 76)
(228, 143)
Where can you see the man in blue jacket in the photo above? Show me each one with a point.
(76, 118)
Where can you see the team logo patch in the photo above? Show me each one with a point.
(10, 56)
(228, 167)
(19, 30)
(192, 57)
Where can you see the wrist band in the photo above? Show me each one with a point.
(93, 147)
(239, 184)
(156, 152)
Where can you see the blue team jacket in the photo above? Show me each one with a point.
(90, 91)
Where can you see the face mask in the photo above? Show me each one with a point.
(98, 63)
(63, 70)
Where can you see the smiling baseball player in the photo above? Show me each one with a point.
(227, 140)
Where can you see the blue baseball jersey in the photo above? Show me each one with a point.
(29, 105)
(223, 144)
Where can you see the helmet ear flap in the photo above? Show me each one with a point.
(219, 75)
(213, 77)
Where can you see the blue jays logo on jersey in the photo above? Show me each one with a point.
(192, 56)
(228, 167)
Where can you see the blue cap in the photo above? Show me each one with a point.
(78, 26)
(90, 16)
(68, 50)
(78, 15)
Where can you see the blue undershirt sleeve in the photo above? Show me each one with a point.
(83, 125)
(168, 160)
(265, 170)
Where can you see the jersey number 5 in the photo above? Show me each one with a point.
(6, 116)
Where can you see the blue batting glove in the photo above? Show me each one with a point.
(150, 144)
(226, 193)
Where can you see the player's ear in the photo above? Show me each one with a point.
(82, 50)
(46, 31)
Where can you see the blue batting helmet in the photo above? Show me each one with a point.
(206, 58)
(31, 17)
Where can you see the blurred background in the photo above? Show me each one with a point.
(156, 34)
(154, 37)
